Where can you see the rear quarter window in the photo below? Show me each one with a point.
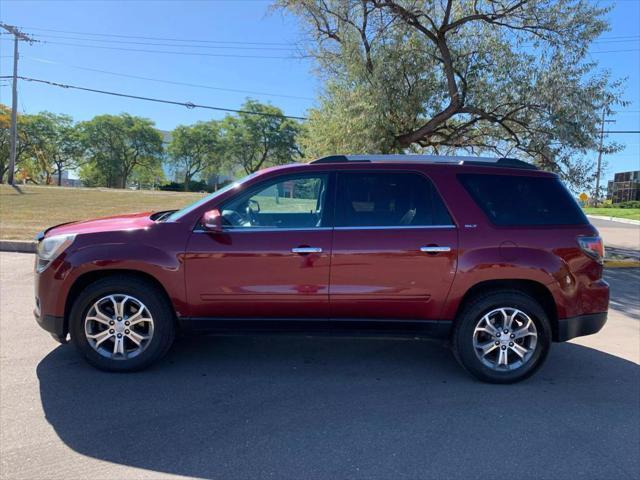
(510, 200)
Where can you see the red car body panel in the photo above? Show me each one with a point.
(360, 273)
(131, 222)
(254, 274)
(379, 273)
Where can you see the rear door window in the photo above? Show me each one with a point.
(388, 199)
(510, 200)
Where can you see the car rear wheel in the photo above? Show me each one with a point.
(502, 337)
(122, 323)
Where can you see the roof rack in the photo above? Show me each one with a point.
(450, 160)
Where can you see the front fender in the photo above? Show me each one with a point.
(158, 256)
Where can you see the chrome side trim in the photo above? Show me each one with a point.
(265, 229)
(313, 229)
(398, 227)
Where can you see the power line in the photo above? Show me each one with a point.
(233, 46)
(201, 54)
(609, 39)
(169, 82)
(181, 45)
(173, 52)
(170, 39)
(618, 51)
(261, 46)
(189, 105)
(291, 57)
(634, 39)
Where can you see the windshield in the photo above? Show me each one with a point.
(189, 208)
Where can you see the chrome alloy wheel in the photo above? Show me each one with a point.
(118, 327)
(505, 339)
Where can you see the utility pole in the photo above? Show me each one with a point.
(17, 36)
(600, 148)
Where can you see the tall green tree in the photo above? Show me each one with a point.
(115, 145)
(257, 141)
(54, 145)
(510, 77)
(196, 149)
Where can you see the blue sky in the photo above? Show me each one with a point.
(249, 29)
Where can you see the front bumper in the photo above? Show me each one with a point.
(580, 326)
(51, 288)
(52, 324)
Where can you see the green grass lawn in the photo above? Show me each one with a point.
(269, 204)
(631, 213)
(26, 210)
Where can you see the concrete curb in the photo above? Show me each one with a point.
(622, 263)
(18, 246)
(616, 219)
(617, 254)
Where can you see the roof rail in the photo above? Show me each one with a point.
(451, 160)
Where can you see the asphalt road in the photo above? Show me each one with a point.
(321, 408)
(617, 234)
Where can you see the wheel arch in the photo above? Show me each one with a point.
(534, 289)
(90, 277)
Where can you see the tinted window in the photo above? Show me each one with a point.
(515, 200)
(290, 202)
(377, 199)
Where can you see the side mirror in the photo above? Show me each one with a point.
(212, 221)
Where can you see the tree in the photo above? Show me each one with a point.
(195, 149)
(147, 178)
(54, 144)
(510, 77)
(256, 141)
(5, 139)
(115, 145)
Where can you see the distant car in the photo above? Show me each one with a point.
(492, 254)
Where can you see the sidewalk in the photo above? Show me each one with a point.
(615, 219)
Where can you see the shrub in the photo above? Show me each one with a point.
(631, 204)
(194, 186)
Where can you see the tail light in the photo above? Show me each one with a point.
(592, 246)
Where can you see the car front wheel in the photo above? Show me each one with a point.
(502, 337)
(122, 323)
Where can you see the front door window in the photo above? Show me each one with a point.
(288, 203)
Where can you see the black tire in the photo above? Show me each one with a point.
(156, 303)
(471, 314)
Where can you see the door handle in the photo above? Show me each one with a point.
(435, 249)
(305, 250)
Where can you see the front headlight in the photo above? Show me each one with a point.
(50, 248)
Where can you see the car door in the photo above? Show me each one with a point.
(394, 247)
(272, 258)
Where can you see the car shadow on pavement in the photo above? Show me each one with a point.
(296, 407)
(625, 291)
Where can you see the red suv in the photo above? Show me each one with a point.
(492, 254)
